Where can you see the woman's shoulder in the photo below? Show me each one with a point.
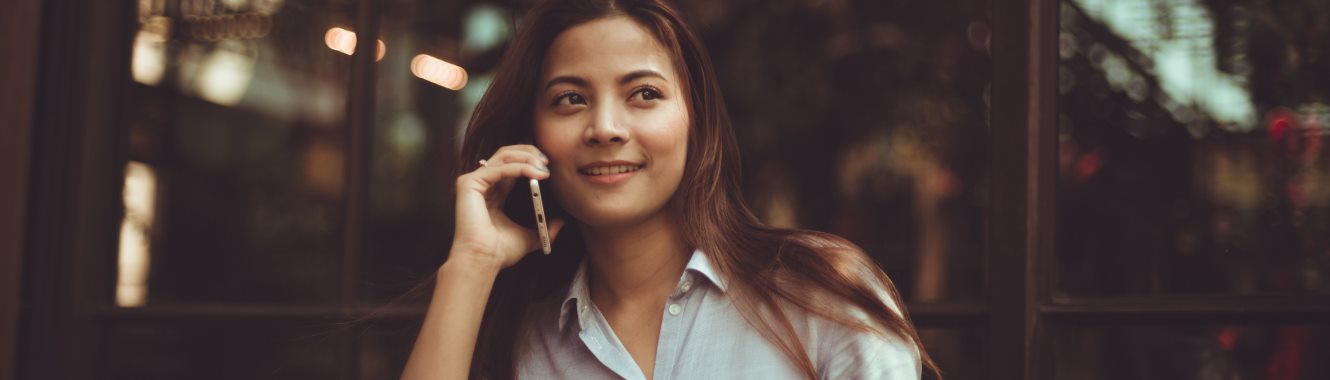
(860, 350)
(844, 352)
(846, 340)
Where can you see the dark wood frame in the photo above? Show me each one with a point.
(1023, 168)
(19, 35)
(360, 114)
(72, 201)
(1023, 307)
(73, 198)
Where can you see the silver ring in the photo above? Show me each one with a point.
(483, 163)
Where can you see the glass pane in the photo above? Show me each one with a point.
(236, 127)
(220, 349)
(417, 128)
(1193, 158)
(961, 353)
(1191, 352)
(867, 120)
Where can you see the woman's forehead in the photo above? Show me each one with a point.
(606, 48)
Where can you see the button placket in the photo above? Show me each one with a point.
(685, 284)
(672, 329)
(681, 290)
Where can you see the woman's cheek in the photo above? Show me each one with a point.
(669, 131)
(556, 140)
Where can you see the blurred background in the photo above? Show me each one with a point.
(213, 189)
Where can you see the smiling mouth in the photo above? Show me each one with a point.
(608, 170)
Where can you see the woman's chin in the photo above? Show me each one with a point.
(602, 218)
(613, 210)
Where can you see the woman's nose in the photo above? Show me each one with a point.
(607, 128)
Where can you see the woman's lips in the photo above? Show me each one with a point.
(609, 173)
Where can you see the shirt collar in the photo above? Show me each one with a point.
(577, 301)
(701, 264)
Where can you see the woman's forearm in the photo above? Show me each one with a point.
(447, 339)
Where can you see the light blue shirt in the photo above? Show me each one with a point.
(702, 336)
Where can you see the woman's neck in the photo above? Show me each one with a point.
(635, 266)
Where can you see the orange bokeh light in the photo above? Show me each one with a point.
(345, 41)
(438, 71)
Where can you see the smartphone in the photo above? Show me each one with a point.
(542, 226)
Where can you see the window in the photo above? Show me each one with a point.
(1192, 228)
(224, 184)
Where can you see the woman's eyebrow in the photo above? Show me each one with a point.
(576, 81)
(625, 79)
(639, 74)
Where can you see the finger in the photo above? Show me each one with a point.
(513, 155)
(525, 148)
(485, 178)
(499, 193)
(492, 174)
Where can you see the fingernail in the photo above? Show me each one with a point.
(542, 156)
(543, 168)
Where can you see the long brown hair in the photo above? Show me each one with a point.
(769, 268)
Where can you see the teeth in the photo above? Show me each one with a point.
(603, 170)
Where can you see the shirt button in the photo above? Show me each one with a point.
(687, 284)
(675, 309)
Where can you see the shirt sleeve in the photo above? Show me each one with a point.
(855, 354)
(870, 355)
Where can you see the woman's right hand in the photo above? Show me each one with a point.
(484, 242)
(482, 231)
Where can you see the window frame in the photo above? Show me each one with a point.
(16, 111)
(74, 182)
(1024, 304)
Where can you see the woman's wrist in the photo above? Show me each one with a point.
(468, 263)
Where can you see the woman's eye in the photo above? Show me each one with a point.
(569, 99)
(647, 94)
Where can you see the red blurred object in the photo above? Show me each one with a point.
(1088, 164)
(1278, 124)
(1228, 337)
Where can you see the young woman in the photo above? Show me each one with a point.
(659, 268)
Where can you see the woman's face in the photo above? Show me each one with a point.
(611, 114)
